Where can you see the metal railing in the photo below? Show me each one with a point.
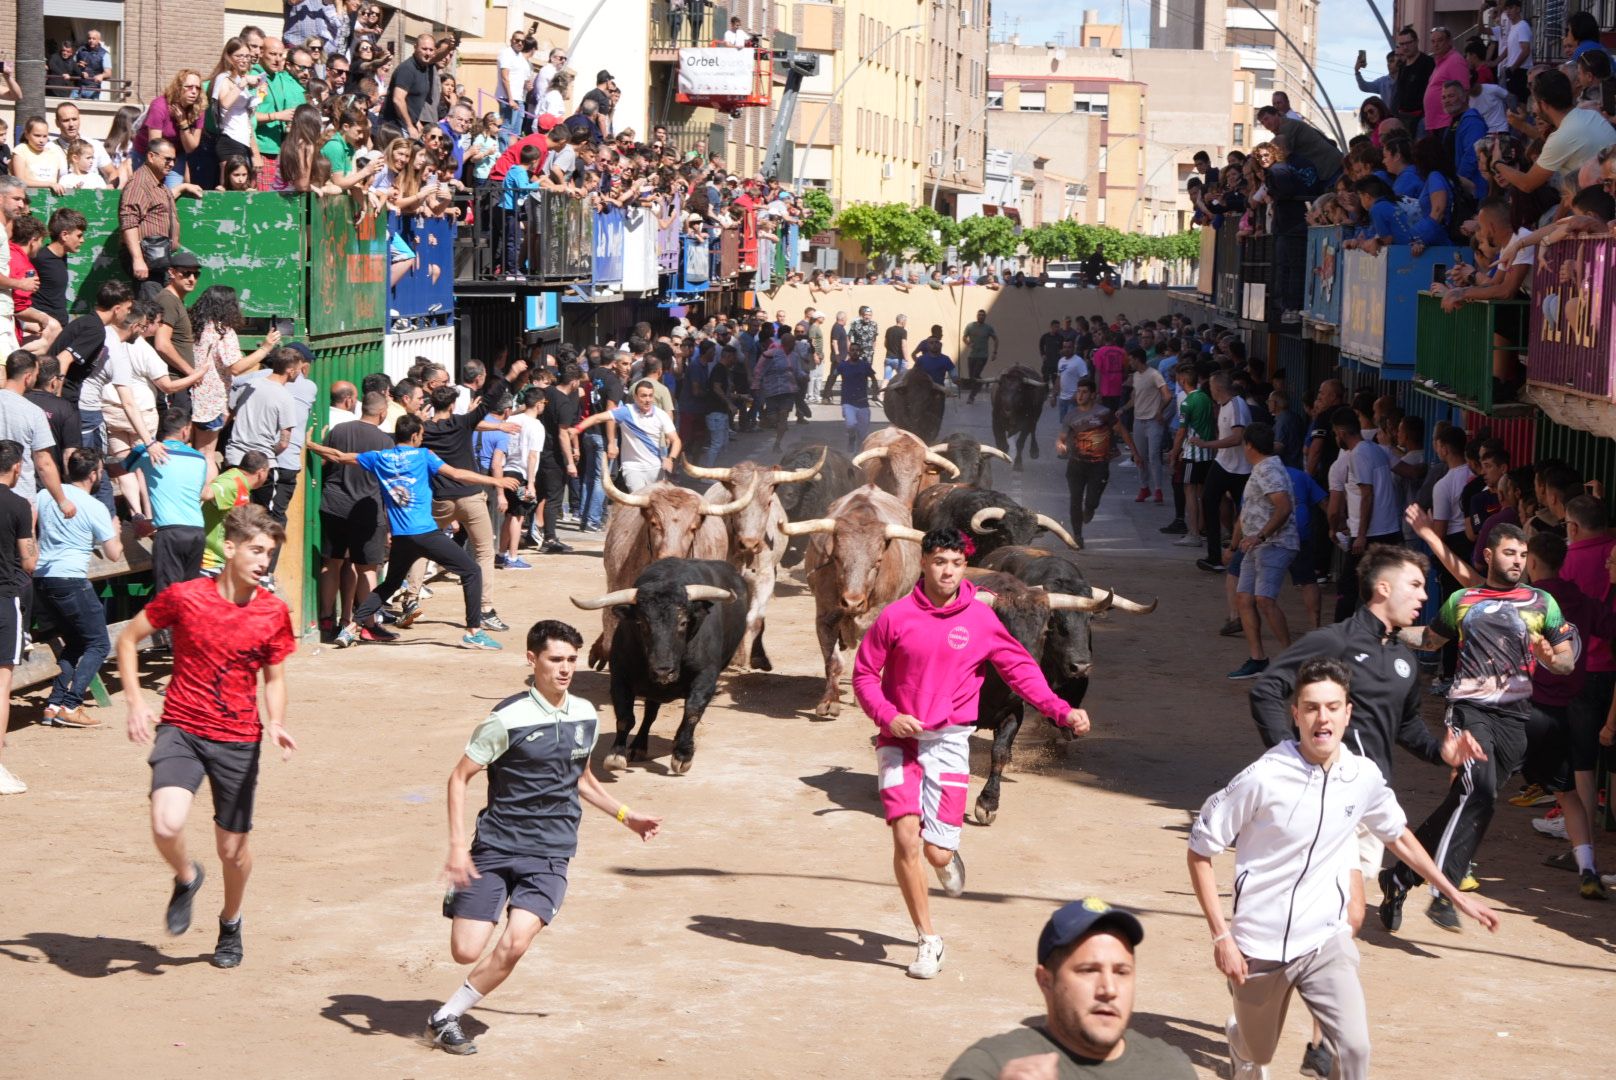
(1454, 351)
(112, 90)
(686, 28)
(555, 238)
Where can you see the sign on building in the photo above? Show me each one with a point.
(709, 73)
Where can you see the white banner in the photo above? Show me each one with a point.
(716, 72)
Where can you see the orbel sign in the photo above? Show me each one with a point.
(716, 72)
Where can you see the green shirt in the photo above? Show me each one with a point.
(341, 156)
(1143, 1058)
(282, 91)
(1200, 413)
(977, 336)
(228, 491)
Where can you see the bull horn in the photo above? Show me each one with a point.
(797, 476)
(903, 532)
(871, 454)
(1047, 522)
(980, 519)
(994, 451)
(1071, 602)
(611, 599)
(937, 448)
(701, 472)
(939, 462)
(1122, 603)
(734, 506)
(618, 495)
(708, 592)
(809, 527)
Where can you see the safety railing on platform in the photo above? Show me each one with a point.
(1456, 351)
(692, 24)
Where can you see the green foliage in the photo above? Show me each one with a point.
(890, 230)
(1068, 241)
(820, 210)
(993, 237)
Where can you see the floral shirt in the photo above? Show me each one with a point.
(216, 353)
(862, 338)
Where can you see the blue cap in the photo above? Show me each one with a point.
(301, 349)
(1082, 917)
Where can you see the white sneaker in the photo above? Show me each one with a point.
(952, 876)
(1239, 1067)
(10, 785)
(1551, 826)
(928, 958)
(1190, 540)
(1608, 880)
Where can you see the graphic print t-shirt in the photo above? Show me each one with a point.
(219, 648)
(1090, 432)
(1494, 629)
(405, 474)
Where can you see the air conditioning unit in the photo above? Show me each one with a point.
(959, 164)
(886, 171)
(935, 159)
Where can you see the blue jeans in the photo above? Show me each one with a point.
(93, 434)
(717, 436)
(856, 419)
(82, 622)
(510, 123)
(892, 367)
(1148, 435)
(592, 460)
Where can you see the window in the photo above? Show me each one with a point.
(1239, 92)
(84, 16)
(1105, 157)
(1032, 101)
(1094, 42)
(1240, 134)
(995, 99)
(1100, 203)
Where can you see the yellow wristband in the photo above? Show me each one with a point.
(622, 813)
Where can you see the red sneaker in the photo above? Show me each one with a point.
(1144, 493)
(1158, 496)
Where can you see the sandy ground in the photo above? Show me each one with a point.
(760, 935)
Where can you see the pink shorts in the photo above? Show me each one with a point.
(929, 778)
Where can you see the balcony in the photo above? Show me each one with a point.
(555, 241)
(1379, 295)
(666, 37)
(1455, 351)
(1570, 366)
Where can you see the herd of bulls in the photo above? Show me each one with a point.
(689, 577)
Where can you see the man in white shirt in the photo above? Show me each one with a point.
(1578, 137)
(69, 125)
(646, 440)
(1296, 813)
(344, 403)
(1230, 469)
(735, 37)
(1516, 55)
(512, 79)
(1369, 485)
(1071, 369)
(1492, 102)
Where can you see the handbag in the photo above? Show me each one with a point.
(156, 250)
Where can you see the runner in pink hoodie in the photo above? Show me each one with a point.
(918, 675)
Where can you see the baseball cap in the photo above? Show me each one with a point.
(301, 349)
(678, 332)
(603, 76)
(1080, 918)
(184, 260)
(546, 121)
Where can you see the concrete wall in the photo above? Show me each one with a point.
(1019, 316)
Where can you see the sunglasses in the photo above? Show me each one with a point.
(301, 67)
(334, 71)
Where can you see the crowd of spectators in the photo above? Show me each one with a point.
(1474, 147)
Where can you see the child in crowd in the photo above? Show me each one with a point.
(82, 175)
(236, 174)
(485, 143)
(519, 185)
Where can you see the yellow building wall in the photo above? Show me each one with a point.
(883, 103)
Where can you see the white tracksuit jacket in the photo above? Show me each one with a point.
(1294, 825)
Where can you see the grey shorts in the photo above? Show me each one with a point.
(180, 759)
(532, 883)
(1262, 572)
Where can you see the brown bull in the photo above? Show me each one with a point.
(861, 557)
(663, 521)
(899, 463)
(757, 540)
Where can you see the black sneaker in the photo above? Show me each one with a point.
(179, 902)
(227, 954)
(1209, 566)
(492, 621)
(1590, 887)
(1391, 903)
(555, 547)
(1563, 861)
(408, 614)
(1317, 1061)
(447, 1035)
(1174, 528)
(1232, 628)
(1443, 913)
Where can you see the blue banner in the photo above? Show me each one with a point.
(608, 262)
(427, 288)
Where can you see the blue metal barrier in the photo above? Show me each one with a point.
(428, 288)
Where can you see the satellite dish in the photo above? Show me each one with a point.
(1060, 54)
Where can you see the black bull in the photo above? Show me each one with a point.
(1018, 400)
(1047, 605)
(677, 629)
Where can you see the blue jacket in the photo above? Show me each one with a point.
(1467, 132)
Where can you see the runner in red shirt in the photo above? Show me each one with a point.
(225, 630)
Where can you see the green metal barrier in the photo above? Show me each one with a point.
(260, 243)
(1454, 350)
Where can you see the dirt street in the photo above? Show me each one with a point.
(761, 934)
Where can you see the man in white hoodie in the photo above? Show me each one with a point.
(1296, 812)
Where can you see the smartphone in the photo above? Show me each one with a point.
(1439, 274)
(284, 326)
(1363, 58)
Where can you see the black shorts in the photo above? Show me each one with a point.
(1585, 716)
(1199, 471)
(533, 883)
(1302, 567)
(515, 505)
(176, 555)
(1548, 749)
(181, 759)
(12, 625)
(360, 538)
